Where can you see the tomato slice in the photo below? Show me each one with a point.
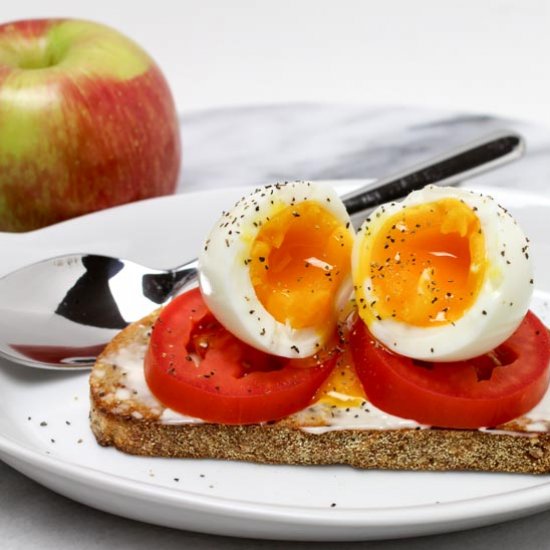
(485, 391)
(196, 367)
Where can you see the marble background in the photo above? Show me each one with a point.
(250, 146)
(257, 145)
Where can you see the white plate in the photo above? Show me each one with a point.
(44, 429)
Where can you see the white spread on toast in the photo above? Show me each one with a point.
(539, 417)
(365, 417)
(318, 418)
(129, 359)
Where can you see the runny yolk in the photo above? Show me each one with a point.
(298, 260)
(342, 388)
(426, 264)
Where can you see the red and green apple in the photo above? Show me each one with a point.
(87, 121)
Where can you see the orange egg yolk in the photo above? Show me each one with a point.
(342, 388)
(298, 260)
(426, 264)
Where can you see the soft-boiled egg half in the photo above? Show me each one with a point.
(276, 268)
(443, 275)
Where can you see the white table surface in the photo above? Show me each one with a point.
(466, 56)
(483, 56)
(41, 519)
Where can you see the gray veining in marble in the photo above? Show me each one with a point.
(252, 146)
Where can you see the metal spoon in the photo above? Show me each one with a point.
(59, 313)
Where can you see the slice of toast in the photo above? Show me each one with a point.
(124, 414)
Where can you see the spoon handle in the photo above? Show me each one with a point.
(183, 276)
(450, 168)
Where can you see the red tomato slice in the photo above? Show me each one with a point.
(196, 367)
(481, 392)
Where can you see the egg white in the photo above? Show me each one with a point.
(224, 273)
(503, 299)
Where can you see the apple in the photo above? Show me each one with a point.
(87, 121)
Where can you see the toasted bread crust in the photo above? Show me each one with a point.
(134, 427)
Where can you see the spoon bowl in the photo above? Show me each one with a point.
(61, 312)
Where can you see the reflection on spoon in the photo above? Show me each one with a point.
(102, 311)
(59, 354)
